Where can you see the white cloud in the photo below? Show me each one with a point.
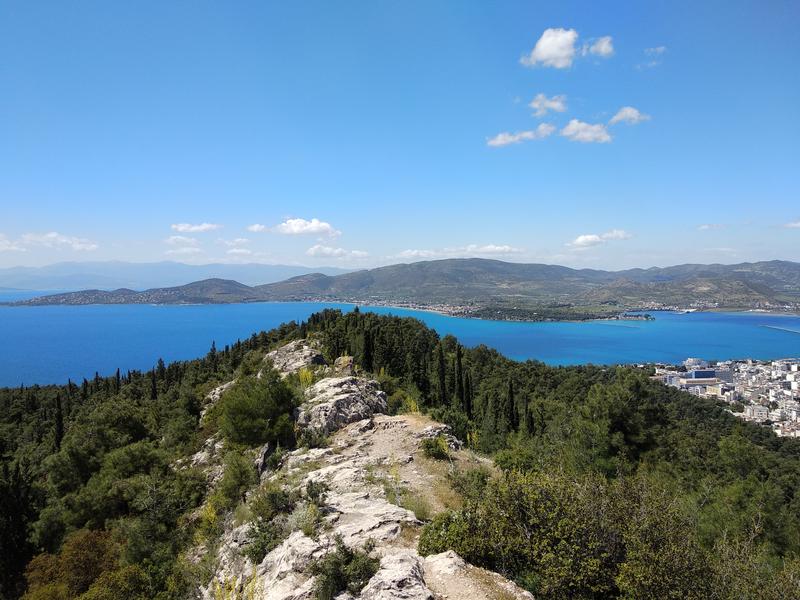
(470, 250)
(709, 226)
(54, 239)
(629, 115)
(588, 240)
(578, 131)
(331, 252)
(194, 228)
(556, 48)
(234, 243)
(7, 245)
(180, 240)
(239, 252)
(654, 55)
(506, 138)
(257, 228)
(304, 227)
(184, 251)
(793, 225)
(541, 104)
(603, 47)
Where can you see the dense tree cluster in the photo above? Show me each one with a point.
(611, 484)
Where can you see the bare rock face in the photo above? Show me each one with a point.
(294, 356)
(344, 365)
(400, 577)
(214, 395)
(336, 401)
(439, 429)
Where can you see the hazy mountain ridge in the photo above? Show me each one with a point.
(111, 275)
(489, 283)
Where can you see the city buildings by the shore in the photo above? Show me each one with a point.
(765, 392)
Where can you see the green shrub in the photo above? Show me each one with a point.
(342, 570)
(470, 483)
(313, 438)
(264, 536)
(238, 477)
(256, 411)
(269, 500)
(436, 448)
(129, 582)
(316, 490)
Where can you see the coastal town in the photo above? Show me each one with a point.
(764, 392)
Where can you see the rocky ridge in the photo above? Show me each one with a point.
(372, 459)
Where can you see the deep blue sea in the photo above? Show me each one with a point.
(50, 344)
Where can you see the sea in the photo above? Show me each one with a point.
(50, 344)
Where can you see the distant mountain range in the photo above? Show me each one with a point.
(493, 284)
(110, 275)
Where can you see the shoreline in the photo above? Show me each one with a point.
(455, 311)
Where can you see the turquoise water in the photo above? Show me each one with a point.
(49, 344)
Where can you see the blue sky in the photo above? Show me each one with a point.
(366, 133)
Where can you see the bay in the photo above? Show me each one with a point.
(49, 344)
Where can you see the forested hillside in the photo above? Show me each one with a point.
(610, 485)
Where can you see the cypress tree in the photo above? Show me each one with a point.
(367, 358)
(59, 433)
(153, 386)
(511, 408)
(442, 375)
(117, 382)
(459, 378)
(468, 395)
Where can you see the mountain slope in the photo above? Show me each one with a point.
(490, 283)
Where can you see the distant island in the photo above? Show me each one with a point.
(482, 288)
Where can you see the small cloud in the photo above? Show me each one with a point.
(194, 228)
(304, 227)
(7, 245)
(234, 243)
(793, 225)
(470, 250)
(710, 226)
(257, 228)
(578, 131)
(54, 239)
(180, 240)
(506, 138)
(239, 252)
(588, 240)
(555, 48)
(629, 115)
(654, 55)
(602, 47)
(331, 252)
(541, 104)
(184, 251)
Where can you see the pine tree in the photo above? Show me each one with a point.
(153, 386)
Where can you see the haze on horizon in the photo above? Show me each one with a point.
(606, 136)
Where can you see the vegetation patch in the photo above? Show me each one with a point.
(343, 569)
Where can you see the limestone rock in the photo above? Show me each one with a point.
(294, 356)
(344, 365)
(337, 401)
(437, 430)
(400, 577)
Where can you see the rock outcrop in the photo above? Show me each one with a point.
(336, 401)
(294, 356)
(378, 485)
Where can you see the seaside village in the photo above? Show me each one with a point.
(765, 392)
